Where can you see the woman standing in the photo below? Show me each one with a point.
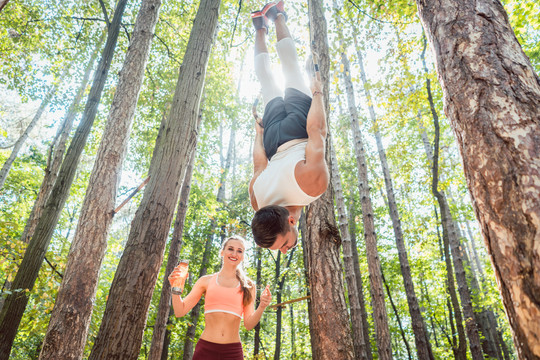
(229, 294)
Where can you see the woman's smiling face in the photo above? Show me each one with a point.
(233, 252)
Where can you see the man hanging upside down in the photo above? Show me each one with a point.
(290, 170)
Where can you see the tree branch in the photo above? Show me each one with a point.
(105, 13)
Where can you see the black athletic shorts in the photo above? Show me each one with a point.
(285, 119)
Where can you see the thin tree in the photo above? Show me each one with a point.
(357, 320)
(492, 97)
(55, 157)
(358, 276)
(21, 140)
(382, 331)
(423, 347)
(122, 327)
(13, 308)
(459, 345)
(57, 148)
(158, 346)
(280, 281)
(449, 231)
(328, 318)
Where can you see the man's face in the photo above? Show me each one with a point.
(288, 241)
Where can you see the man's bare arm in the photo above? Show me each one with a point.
(260, 161)
(315, 168)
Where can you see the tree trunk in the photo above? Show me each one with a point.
(19, 143)
(329, 323)
(492, 97)
(189, 339)
(359, 282)
(357, 320)
(384, 345)
(277, 346)
(163, 314)
(401, 331)
(257, 336)
(423, 347)
(123, 323)
(449, 232)
(28, 271)
(454, 311)
(57, 149)
(68, 327)
(279, 294)
(54, 161)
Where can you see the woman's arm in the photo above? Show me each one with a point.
(251, 316)
(183, 306)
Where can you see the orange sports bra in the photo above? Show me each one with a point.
(223, 299)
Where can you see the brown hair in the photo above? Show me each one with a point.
(269, 222)
(245, 283)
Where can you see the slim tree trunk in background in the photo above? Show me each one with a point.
(380, 317)
(14, 306)
(329, 321)
(19, 143)
(58, 148)
(359, 282)
(492, 97)
(398, 318)
(423, 347)
(56, 155)
(280, 281)
(124, 319)
(277, 346)
(189, 339)
(257, 336)
(163, 313)
(357, 321)
(449, 232)
(70, 318)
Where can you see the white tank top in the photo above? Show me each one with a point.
(277, 185)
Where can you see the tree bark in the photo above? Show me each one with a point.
(329, 323)
(14, 306)
(384, 345)
(163, 313)
(68, 327)
(19, 143)
(357, 320)
(123, 323)
(492, 97)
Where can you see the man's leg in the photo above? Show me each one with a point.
(289, 58)
(269, 88)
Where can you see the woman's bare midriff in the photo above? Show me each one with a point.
(221, 328)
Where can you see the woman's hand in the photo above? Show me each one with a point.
(266, 297)
(176, 279)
